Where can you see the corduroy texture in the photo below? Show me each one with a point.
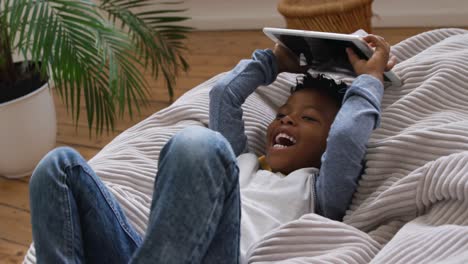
(411, 205)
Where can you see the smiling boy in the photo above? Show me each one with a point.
(315, 146)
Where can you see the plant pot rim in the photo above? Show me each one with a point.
(45, 85)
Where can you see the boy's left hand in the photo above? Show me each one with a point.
(380, 61)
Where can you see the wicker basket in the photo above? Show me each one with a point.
(341, 16)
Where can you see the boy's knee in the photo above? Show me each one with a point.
(51, 166)
(199, 151)
(196, 141)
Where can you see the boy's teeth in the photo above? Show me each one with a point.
(279, 146)
(283, 135)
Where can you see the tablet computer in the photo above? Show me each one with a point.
(326, 52)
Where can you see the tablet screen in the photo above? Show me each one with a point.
(322, 54)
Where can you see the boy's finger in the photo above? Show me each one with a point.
(376, 41)
(371, 39)
(353, 58)
(391, 63)
(278, 49)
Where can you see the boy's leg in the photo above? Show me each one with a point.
(195, 212)
(75, 219)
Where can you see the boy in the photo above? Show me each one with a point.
(195, 211)
(297, 144)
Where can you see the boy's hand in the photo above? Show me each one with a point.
(287, 61)
(378, 63)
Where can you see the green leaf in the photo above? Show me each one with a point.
(100, 51)
(88, 101)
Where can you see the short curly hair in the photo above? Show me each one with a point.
(335, 90)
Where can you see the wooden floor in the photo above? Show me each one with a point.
(210, 53)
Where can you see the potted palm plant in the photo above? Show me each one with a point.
(93, 52)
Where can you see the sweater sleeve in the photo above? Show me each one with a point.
(342, 162)
(231, 91)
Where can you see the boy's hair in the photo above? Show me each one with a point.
(324, 84)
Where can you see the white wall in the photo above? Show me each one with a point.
(431, 13)
(254, 14)
(233, 14)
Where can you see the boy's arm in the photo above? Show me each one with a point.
(231, 91)
(342, 161)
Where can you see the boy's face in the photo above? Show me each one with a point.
(297, 137)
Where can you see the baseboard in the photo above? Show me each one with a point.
(382, 20)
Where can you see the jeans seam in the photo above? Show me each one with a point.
(236, 168)
(67, 211)
(106, 198)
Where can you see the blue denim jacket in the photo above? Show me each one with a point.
(342, 162)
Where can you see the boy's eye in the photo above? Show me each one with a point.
(309, 118)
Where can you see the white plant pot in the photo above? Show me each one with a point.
(27, 132)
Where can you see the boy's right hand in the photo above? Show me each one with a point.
(287, 61)
(376, 65)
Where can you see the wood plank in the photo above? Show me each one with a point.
(12, 253)
(15, 225)
(150, 108)
(14, 193)
(86, 152)
(395, 35)
(69, 135)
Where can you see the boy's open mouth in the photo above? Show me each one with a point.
(283, 140)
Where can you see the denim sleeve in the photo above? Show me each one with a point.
(231, 91)
(343, 160)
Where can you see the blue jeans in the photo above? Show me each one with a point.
(195, 212)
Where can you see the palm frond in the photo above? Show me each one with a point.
(155, 46)
(89, 57)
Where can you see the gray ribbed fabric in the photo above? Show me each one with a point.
(412, 202)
